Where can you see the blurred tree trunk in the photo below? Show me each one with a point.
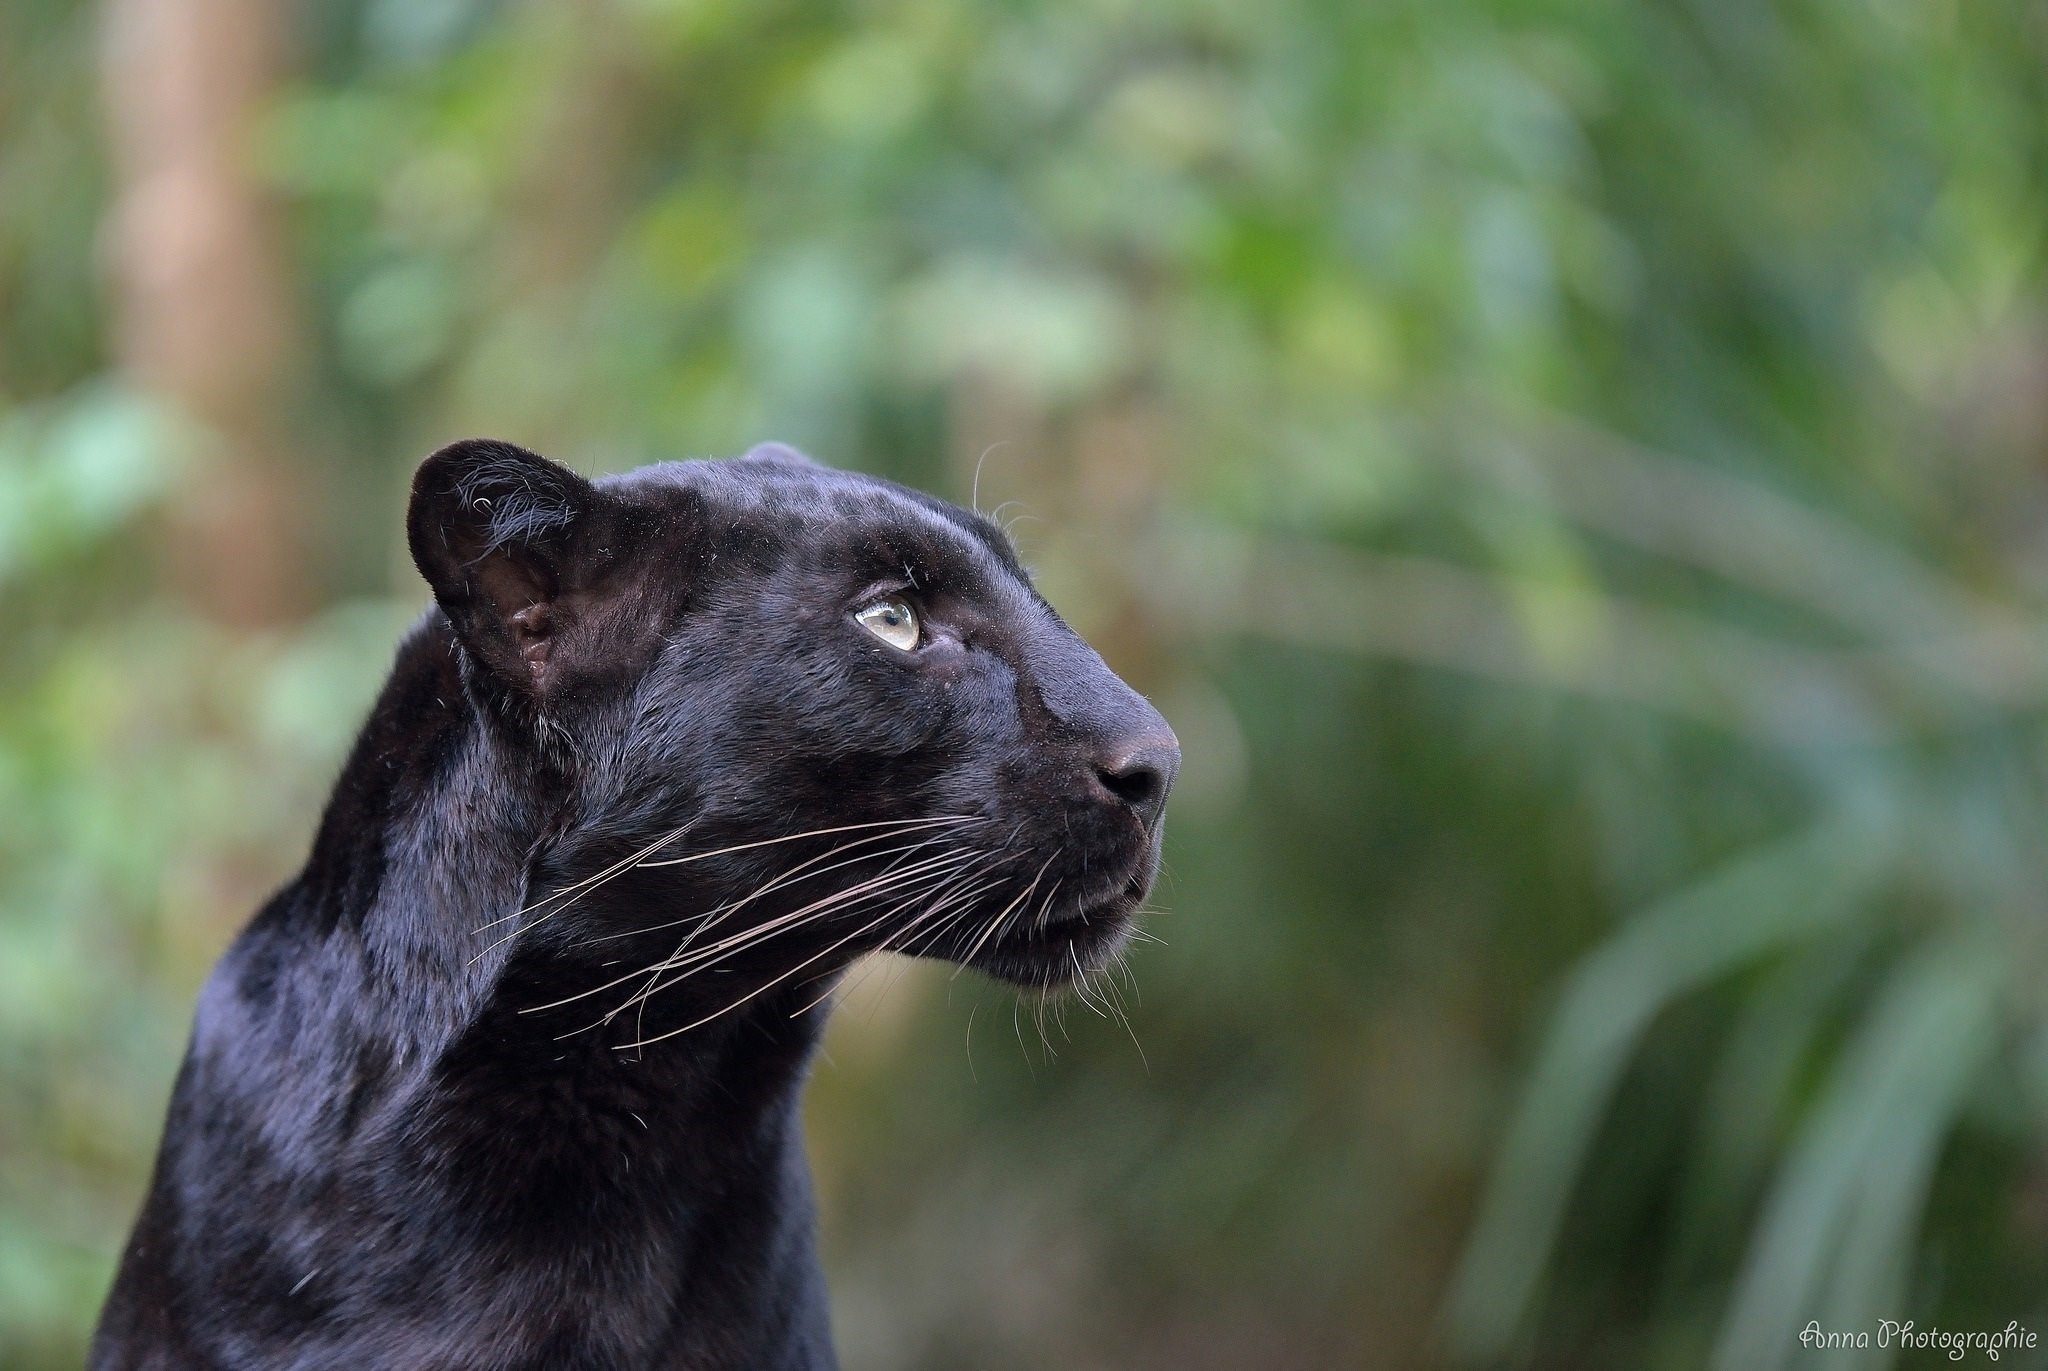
(200, 295)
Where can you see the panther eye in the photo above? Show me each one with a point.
(892, 620)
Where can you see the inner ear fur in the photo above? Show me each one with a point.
(496, 530)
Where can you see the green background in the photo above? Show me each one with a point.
(1574, 474)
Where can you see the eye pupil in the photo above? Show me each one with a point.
(891, 620)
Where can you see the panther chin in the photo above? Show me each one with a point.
(1069, 944)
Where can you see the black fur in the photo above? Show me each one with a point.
(407, 1134)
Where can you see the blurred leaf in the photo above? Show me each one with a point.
(1754, 906)
(1834, 1244)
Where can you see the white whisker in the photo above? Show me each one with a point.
(818, 833)
(1003, 914)
(675, 960)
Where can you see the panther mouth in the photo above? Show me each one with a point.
(1071, 941)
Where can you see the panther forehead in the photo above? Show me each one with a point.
(787, 498)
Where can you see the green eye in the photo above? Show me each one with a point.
(892, 620)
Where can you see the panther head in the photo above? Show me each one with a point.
(795, 715)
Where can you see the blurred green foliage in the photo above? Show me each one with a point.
(1572, 472)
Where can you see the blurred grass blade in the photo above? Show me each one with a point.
(1750, 907)
(1835, 1239)
(1757, 1085)
(1434, 612)
(1765, 540)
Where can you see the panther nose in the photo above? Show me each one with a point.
(1139, 771)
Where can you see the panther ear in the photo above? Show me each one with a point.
(781, 453)
(495, 530)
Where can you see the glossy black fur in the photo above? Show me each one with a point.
(398, 1141)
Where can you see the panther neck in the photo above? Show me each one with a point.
(418, 881)
(472, 1183)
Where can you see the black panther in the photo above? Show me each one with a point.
(508, 1075)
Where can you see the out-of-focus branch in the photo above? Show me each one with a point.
(200, 296)
(1766, 541)
(1588, 642)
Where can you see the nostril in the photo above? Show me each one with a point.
(1136, 782)
(1140, 775)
